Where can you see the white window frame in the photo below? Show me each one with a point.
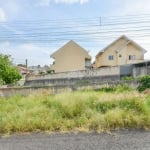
(132, 57)
(111, 57)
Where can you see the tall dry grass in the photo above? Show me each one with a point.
(77, 111)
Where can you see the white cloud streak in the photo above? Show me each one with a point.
(2, 15)
(47, 2)
(137, 6)
(130, 7)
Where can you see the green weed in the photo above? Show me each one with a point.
(81, 111)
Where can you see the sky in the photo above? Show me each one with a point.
(34, 29)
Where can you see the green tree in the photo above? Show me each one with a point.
(9, 74)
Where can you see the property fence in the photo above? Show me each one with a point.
(25, 91)
(106, 74)
(107, 71)
(73, 77)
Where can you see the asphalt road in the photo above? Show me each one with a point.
(118, 140)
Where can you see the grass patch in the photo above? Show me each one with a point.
(81, 111)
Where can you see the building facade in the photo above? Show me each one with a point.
(70, 57)
(120, 52)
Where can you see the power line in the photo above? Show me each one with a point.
(83, 29)
(79, 20)
(144, 15)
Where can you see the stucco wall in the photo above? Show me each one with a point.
(121, 51)
(71, 57)
(132, 50)
(111, 50)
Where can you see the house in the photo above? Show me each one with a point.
(23, 70)
(120, 52)
(70, 57)
(38, 70)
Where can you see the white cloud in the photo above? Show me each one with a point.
(36, 54)
(29, 47)
(2, 15)
(47, 2)
(133, 7)
(5, 44)
(71, 1)
(13, 9)
(137, 5)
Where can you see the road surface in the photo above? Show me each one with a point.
(118, 140)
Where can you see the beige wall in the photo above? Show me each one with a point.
(132, 50)
(121, 51)
(70, 57)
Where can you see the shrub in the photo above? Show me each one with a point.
(144, 83)
(117, 88)
(123, 88)
(8, 73)
(127, 78)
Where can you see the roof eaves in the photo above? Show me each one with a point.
(144, 51)
(123, 36)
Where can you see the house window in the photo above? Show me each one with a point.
(87, 62)
(132, 57)
(111, 57)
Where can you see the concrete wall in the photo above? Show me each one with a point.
(46, 90)
(99, 75)
(140, 70)
(126, 70)
(71, 78)
(72, 81)
(25, 91)
(79, 74)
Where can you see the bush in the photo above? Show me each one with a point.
(144, 83)
(127, 78)
(9, 74)
(118, 88)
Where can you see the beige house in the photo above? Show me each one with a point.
(120, 52)
(70, 57)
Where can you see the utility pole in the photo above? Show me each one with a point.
(26, 62)
(100, 21)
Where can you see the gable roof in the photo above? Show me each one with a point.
(128, 41)
(71, 42)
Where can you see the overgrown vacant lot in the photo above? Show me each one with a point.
(98, 110)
